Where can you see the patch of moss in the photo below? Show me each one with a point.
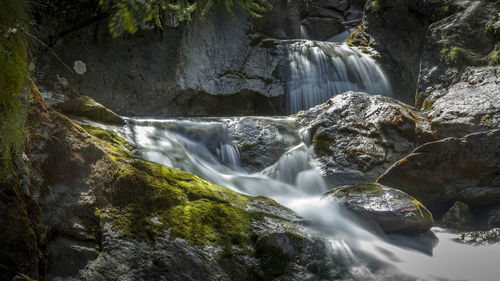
(321, 144)
(357, 38)
(12, 110)
(455, 56)
(118, 146)
(98, 113)
(367, 188)
(146, 199)
(494, 56)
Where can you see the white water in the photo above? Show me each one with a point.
(320, 70)
(203, 147)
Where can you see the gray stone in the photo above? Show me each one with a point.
(356, 136)
(478, 238)
(392, 210)
(458, 216)
(453, 169)
(471, 105)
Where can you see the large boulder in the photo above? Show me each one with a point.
(453, 169)
(109, 213)
(224, 68)
(392, 210)
(469, 106)
(261, 141)
(357, 136)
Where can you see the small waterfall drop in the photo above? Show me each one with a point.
(320, 70)
(203, 146)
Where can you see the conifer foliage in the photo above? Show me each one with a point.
(129, 15)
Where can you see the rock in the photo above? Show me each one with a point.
(322, 28)
(454, 43)
(383, 25)
(391, 209)
(96, 112)
(478, 238)
(453, 169)
(458, 216)
(244, 74)
(60, 95)
(469, 106)
(357, 136)
(261, 141)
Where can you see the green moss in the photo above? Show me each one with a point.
(493, 58)
(321, 144)
(12, 110)
(376, 5)
(98, 113)
(146, 199)
(368, 188)
(455, 56)
(118, 146)
(357, 38)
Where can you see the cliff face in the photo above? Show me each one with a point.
(189, 69)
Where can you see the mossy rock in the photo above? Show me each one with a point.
(321, 143)
(12, 110)
(146, 200)
(98, 113)
(390, 209)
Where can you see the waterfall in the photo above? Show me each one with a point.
(203, 146)
(320, 70)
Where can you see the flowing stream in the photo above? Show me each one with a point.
(318, 70)
(204, 146)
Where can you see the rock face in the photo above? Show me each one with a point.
(453, 169)
(392, 210)
(188, 69)
(261, 141)
(466, 37)
(357, 136)
(156, 76)
(471, 105)
(458, 216)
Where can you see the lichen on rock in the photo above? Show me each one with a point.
(390, 209)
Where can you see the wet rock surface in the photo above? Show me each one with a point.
(459, 40)
(479, 238)
(471, 105)
(92, 237)
(261, 141)
(392, 210)
(453, 169)
(357, 136)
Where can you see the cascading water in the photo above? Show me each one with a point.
(204, 147)
(320, 70)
